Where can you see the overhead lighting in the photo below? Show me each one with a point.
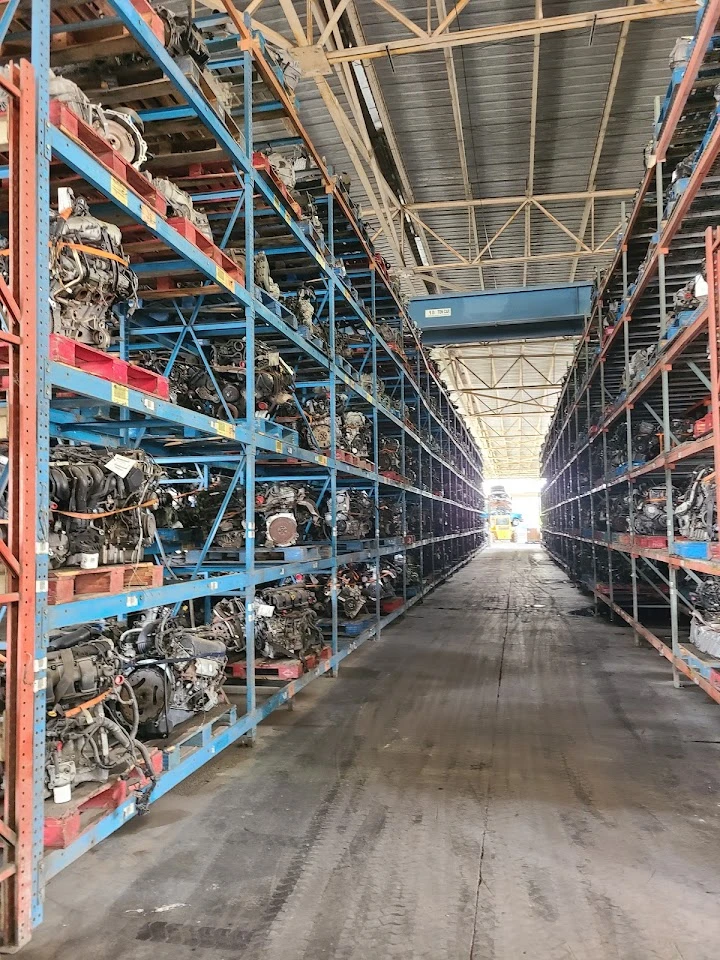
(361, 77)
(421, 251)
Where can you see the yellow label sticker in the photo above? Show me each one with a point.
(278, 446)
(322, 459)
(224, 278)
(118, 190)
(224, 429)
(148, 215)
(120, 394)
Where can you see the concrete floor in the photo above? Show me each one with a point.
(498, 777)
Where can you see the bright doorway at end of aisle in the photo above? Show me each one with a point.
(513, 509)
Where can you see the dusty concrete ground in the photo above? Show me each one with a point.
(497, 777)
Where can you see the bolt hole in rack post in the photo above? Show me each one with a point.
(245, 464)
(631, 456)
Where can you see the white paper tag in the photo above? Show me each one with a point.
(120, 466)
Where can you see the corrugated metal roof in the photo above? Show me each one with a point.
(494, 95)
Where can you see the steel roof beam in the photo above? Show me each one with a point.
(495, 33)
(602, 131)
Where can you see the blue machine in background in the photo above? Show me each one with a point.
(511, 313)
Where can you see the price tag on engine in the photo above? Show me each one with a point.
(148, 216)
(224, 279)
(224, 429)
(120, 394)
(119, 190)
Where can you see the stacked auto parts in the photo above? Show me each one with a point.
(102, 505)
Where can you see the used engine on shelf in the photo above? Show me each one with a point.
(122, 128)
(650, 509)
(282, 509)
(182, 37)
(640, 363)
(353, 429)
(174, 671)
(695, 511)
(286, 625)
(286, 622)
(390, 518)
(92, 715)
(202, 508)
(351, 597)
(89, 273)
(354, 514)
(316, 432)
(389, 455)
(181, 205)
(302, 305)
(356, 433)
(705, 625)
(192, 385)
(103, 505)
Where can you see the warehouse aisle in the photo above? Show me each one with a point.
(498, 777)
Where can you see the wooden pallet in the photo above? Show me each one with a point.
(107, 366)
(226, 268)
(72, 126)
(65, 822)
(72, 583)
(278, 669)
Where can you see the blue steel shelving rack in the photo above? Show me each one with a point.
(670, 231)
(77, 405)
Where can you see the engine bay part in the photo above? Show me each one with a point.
(102, 505)
(175, 672)
(181, 205)
(695, 511)
(281, 510)
(354, 514)
(91, 729)
(214, 383)
(89, 273)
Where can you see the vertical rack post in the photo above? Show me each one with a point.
(40, 56)
(376, 447)
(665, 383)
(712, 245)
(332, 293)
(250, 449)
(23, 742)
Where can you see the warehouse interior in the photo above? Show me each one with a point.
(360, 412)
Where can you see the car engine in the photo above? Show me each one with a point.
(695, 509)
(286, 622)
(175, 672)
(354, 514)
(92, 715)
(192, 385)
(102, 505)
(286, 625)
(89, 273)
(281, 510)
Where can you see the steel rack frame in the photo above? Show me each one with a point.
(593, 457)
(192, 292)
